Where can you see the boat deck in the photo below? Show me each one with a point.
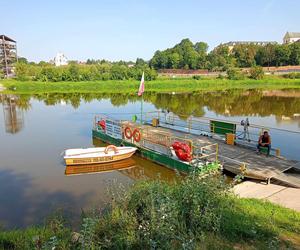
(242, 160)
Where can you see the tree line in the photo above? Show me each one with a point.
(187, 55)
(95, 70)
(184, 55)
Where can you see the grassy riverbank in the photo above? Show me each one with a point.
(196, 213)
(159, 85)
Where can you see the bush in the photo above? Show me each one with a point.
(197, 77)
(235, 74)
(162, 216)
(220, 76)
(256, 72)
(293, 75)
(21, 71)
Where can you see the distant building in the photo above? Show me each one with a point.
(60, 60)
(291, 37)
(232, 44)
(8, 55)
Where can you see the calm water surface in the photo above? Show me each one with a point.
(34, 130)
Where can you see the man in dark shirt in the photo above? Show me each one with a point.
(264, 141)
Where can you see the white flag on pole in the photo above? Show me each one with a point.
(142, 86)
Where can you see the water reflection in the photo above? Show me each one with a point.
(99, 168)
(136, 168)
(32, 177)
(21, 208)
(281, 103)
(13, 113)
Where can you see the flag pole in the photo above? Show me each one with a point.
(142, 100)
(140, 93)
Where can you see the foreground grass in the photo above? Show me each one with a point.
(196, 213)
(159, 85)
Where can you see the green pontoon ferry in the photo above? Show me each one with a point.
(162, 146)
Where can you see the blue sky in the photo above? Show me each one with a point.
(115, 29)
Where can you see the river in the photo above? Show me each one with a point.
(35, 129)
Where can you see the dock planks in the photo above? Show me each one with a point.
(243, 160)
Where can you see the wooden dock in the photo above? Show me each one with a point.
(242, 160)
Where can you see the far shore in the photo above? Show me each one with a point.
(182, 85)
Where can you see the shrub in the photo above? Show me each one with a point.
(162, 216)
(220, 76)
(21, 71)
(235, 74)
(256, 72)
(197, 77)
(293, 75)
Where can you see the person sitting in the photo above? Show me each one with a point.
(264, 141)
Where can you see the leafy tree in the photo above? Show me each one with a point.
(256, 72)
(183, 55)
(21, 71)
(244, 55)
(282, 55)
(119, 72)
(140, 61)
(43, 63)
(295, 54)
(74, 72)
(265, 55)
(220, 58)
(174, 60)
(201, 47)
(22, 60)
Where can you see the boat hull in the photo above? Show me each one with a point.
(156, 157)
(97, 160)
(97, 155)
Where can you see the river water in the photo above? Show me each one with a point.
(35, 129)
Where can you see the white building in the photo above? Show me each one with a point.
(60, 60)
(291, 37)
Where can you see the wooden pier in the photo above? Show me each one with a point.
(206, 139)
(242, 160)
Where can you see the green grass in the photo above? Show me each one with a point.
(159, 85)
(199, 212)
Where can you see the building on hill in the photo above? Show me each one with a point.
(60, 60)
(232, 44)
(8, 55)
(291, 37)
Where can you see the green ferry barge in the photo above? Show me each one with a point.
(155, 144)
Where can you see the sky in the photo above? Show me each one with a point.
(124, 30)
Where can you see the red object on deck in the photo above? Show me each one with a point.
(102, 124)
(182, 151)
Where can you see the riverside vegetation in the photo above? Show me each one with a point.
(105, 76)
(198, 212)
(161, 84)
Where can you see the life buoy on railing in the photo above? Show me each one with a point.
(182, 151)
(111, 147)
(136, 135)
(128, 133)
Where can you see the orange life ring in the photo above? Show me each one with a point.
(128, 133)
(113, 147)
(136, 135)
